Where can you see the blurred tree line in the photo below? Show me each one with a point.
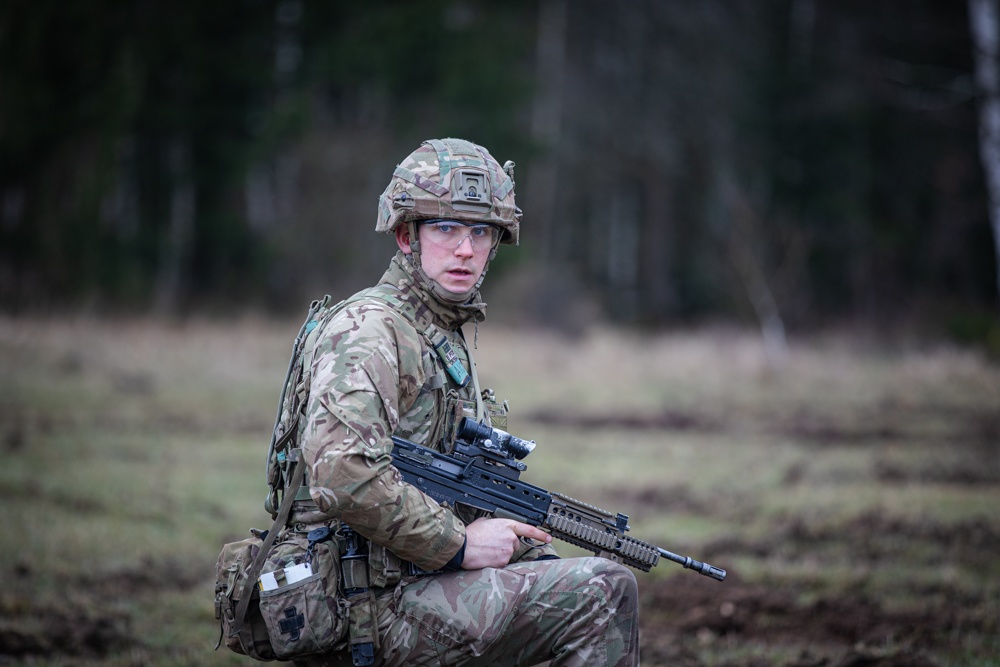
(790, 162)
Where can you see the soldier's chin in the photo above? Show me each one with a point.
(451, 296)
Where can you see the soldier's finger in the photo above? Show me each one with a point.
(524, 530)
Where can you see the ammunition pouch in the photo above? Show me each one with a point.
(384, 567)
(456, 409)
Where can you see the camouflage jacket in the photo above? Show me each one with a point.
(375, 375)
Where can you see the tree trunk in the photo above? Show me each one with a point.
(744, 233)
(984, 21)
(546, 122)
(180, 231)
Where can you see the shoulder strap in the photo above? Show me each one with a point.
(480, 407)
(295, 389)
(290, 402)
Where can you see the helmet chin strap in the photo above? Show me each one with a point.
(440, 292)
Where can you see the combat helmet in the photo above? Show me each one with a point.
(455, 179)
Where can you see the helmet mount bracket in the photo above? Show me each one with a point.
(470, 190)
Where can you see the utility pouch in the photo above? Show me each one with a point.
(300, 601)
(497, 412)
(363, 628)
(384, 567)
(457, 408)
(232, 569)
(363, 634)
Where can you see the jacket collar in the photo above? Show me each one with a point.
(414, 285)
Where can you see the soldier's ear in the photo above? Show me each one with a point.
(403, 239)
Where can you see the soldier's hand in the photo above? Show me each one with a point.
(492, 542)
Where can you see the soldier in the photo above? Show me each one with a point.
(447, 587)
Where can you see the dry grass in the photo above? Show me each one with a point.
(855, 479)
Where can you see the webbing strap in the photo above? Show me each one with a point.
(307, 335)
(420, 181)
(427, 333)
(283, 512)
(506, 185)
(480, 406)
(444, 158)
(504, 188)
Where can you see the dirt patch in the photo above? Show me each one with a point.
(971, 427)
(794, 624)
(28, 628)
(976, 471)
(85, 622)
(667, 420)
(647, 500)
(872, 538)
(684, 615)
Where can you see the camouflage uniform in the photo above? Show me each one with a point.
(374, 374)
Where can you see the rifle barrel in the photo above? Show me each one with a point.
(692, 564)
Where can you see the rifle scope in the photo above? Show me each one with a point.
(495, 439)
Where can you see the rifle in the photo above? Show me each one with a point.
(483, 471)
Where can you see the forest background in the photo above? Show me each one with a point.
(789, 163)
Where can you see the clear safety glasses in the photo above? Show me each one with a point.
(452, 233)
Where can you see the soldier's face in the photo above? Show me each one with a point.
(456, 269)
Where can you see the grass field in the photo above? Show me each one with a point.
(853, 494)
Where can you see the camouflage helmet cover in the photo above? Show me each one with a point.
(455, 179)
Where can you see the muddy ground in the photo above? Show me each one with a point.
(850, 588)
(687, 620)
(683, 618)
(687, 616)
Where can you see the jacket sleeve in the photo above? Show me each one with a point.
(363, 371)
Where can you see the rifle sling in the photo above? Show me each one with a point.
(298, 473)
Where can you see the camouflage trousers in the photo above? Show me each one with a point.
(573, 612)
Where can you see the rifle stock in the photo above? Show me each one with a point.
(479, 475)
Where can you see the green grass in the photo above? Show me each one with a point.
(132, 452)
